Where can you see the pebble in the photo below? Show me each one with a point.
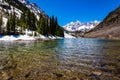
(6, 77)
(97, 73)
(58, 75)
(1, 68)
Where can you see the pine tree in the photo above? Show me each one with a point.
(52, 25)
(38, 26)
(0, 20)
(13, 23)
(8, 26)
(59, 31)
(39, 23)
(47, 26)
(1, 24)
(32, 20)
(28, 21)
(56, 25)
(43, 26)
(22, 22)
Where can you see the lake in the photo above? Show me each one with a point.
(63, 59)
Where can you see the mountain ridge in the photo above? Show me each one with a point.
(81, 27)
(109, 28)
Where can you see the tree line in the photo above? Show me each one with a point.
(0, 23)
(45, 25)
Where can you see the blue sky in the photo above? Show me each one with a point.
(73, 10)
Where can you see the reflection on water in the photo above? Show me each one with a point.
(69, 59)
(90, 55)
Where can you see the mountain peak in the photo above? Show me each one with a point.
(79, 26)
(34, 4)
(24, 1)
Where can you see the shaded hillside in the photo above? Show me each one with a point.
(109, 28)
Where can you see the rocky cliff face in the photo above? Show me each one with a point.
(109, 28)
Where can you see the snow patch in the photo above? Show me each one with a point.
(13, 38)
(66, 35)
(4, 21)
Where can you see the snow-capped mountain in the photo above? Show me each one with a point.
(32, 6)
(14, 7)
(79, 26)
(4, 4)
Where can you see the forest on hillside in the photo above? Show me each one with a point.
(45, 25)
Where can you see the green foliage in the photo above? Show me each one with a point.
(45, 25)
(28, 21)
(0, 24)
(0, 21)
(11, 24)
(49, 26)
(59, 31)
(55, 29)
(22, 21)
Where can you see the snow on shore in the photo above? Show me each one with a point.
(26, 38)
(66, 35)
(13, 38)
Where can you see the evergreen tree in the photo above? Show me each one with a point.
(39, 23)
(8, 25)
(22, 22)
(39, 26)
(1, 24)
(52, 25)
(43, 25)
(13, 23)
(0, 20)
(32, 20)
(28, 21)
(47, 27)
(59, 31)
